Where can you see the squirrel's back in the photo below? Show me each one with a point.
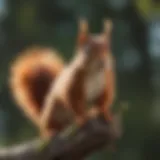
(31, 76)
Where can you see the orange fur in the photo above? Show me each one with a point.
(70, 89)
(66, 93)
(106, 98)
(51, 103)
(100, 46)
(31, 75)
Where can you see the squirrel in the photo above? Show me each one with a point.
(50, 94)
(31, 76)
(88, 78)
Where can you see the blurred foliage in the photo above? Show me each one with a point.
(54, 23)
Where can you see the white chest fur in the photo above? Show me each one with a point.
(95, 85)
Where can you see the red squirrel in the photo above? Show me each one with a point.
(89, 77)
(31, 76)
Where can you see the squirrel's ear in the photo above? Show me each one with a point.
(82, 31)
(108, 26)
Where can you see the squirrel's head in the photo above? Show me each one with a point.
(94, 47)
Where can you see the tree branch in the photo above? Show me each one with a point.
(73, 145)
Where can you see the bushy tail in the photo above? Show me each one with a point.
(31, 76)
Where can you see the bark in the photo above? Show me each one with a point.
(73, 143)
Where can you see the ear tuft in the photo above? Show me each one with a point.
(83, 31)
(83, 25)
(108, 26)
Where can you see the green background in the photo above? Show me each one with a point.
(53, 23)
